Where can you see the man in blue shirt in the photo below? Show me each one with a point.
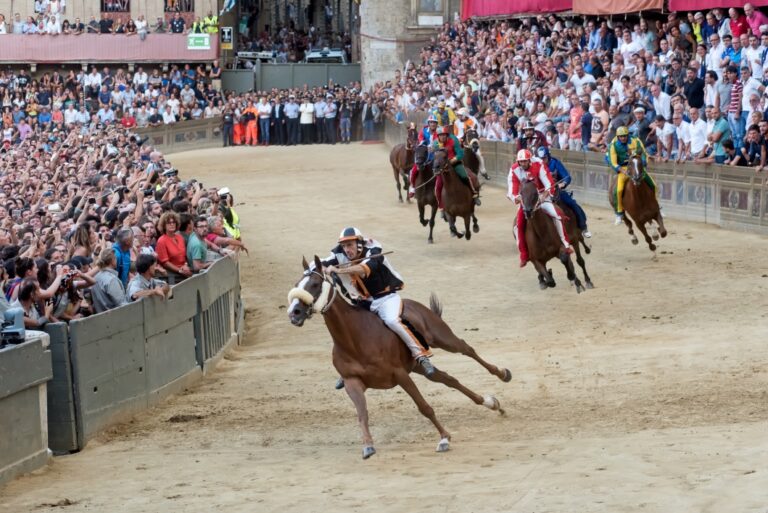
(562, 180)
(123, 254)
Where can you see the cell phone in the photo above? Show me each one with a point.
(92, 201)
(101, 236)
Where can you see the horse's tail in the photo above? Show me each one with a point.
(435, 305)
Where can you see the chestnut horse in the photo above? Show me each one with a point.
(473, 160)
(425, 188)
(368, 355)
(457, 197)
(401, 159)
(639, 203)
(544, 242)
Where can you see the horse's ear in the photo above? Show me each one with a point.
(318, 264)
(304, 263)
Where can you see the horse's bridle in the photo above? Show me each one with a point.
(324, 308)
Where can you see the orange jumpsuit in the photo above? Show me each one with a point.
(252, 127)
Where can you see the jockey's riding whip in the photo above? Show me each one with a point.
(358, 260)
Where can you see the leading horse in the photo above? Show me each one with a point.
(457, 197)
(640, 203)
(401, 159)
(368, 355)
(544, 243)
(425, 188)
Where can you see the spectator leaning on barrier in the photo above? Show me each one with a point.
(109, 291)
(144, 283)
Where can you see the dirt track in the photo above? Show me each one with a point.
(648, 393)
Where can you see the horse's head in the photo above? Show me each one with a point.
(440, 162)
(636, 168)
(311, 294)
(420, 156)
(530, 198)
(412, 138)
(472, 139)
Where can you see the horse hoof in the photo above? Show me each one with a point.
(400, 200)
(663, 233)
(652, 247)
(589, 285)
(507, 376)
(423, 222)
(444, 445)
(368, 451)
(655, 236)
(551, 284)
(460, 235)
(543, 285)
(476, 228)
(635, 241)
(430, 241)
(491, 403)
(579, 289)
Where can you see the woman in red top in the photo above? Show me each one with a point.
(171, 249)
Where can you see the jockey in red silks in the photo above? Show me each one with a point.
(427, 135)
(528, 168)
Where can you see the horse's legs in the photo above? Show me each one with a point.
(565, 258)
(475, 226)
(421, 214)
(356, 391)
(452, 226)
(446, 379)
(545, 277)
(397, 183)
(406, 182)
(647, 237)
(580, 261)
(466, 227)
(407, 384)
(445, 339)
(660, 222)
(432, 224)
(629, 228)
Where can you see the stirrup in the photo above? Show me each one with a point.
(586, 233)
(619, 219)
(568, 249)
(339, 384)
(429, 369)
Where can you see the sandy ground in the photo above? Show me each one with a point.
(648, 393)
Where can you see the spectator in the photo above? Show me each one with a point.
(144, 283)
(664, 132)
(122, 248)
(171, 250)
(698, 130)
(683, 131)
(599, 128)
(177, 24)
(141, 27)
(197, 253)
(29, 295)
(109, 291)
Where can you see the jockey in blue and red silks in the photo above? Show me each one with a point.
(528, 168)
(426, 136)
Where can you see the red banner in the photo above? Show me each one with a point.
(483, 8)
(698, 5)
(617, 6)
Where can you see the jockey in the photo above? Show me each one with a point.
(373, 282)
(444, 115)
(426, 136)
(464, 123)
(619, 152)
(527, 168)
(562, 180)
(531, 139)
(445, 139)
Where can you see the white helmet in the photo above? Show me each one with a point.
(350, 233)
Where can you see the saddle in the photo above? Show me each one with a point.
(409, 317)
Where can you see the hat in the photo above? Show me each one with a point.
(223, 191)
(329, 95)
(54, 208)
(640, 110)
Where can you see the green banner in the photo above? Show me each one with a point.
(198, 42)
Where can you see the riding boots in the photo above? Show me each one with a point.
(339, 384)
(429, 369)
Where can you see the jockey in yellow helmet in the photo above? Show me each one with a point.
(620, 150)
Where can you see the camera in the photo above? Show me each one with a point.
(171, 172)
(147, 192)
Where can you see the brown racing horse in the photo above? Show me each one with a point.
(457, 197)
(544, 242)
(401, 159)
(473, 160)
(368, 355)
(639, 203)
(425, 188)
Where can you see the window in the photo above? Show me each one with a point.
(430, 5)
(179, 5)
(115, 5)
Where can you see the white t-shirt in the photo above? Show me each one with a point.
(683, 134)
(662, 105)
(307, 111)
(578, 83)
(751, 87)
(265, 110)
(665, 132)
(698, 131)
(753, 56)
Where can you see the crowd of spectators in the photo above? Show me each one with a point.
(291, 44)
(92, 217)
(691, 86)
(49, 19)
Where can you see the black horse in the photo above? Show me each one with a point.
(425, 188)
